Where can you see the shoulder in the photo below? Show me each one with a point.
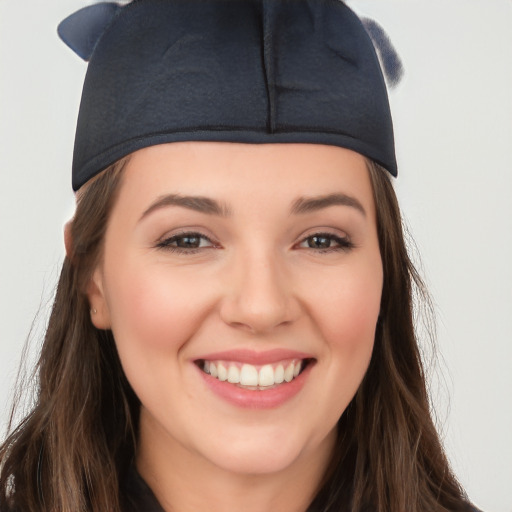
(136, 494)
(6, 508)
(471, 508)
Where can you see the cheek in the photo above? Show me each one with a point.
(347, 317)
(154, 309)
(154, 313)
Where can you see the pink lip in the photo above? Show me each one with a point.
(255, 357)
(256, 399)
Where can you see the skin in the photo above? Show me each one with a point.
(258, 284)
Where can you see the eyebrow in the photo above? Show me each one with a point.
(196, 203)
(312, 204)
(210, 206)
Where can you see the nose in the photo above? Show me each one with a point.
(259, 294)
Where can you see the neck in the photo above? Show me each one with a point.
(185, 481)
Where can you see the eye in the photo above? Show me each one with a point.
(189, 242)
(326, 242)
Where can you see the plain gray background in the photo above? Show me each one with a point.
(453, 121)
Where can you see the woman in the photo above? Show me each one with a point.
(233, 323)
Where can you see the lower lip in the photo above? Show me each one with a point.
(256, 399)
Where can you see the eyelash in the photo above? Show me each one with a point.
(166, 244)
(343, 243)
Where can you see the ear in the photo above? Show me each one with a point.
(68, 240)
(82, 29)
(388, 56)
(100, 313)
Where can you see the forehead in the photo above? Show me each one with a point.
(246, 172)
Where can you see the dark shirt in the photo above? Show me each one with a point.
(138, 497)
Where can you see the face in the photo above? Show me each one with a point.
(242, 284)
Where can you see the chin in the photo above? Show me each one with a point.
(257, 462)
(269, 451)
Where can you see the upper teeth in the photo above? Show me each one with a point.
(250, 375)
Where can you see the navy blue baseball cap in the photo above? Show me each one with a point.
(252, 71)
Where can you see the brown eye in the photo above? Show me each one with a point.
(186, 242)
(319, 242)
(326, 242)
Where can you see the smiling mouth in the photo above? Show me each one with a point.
(254, 377)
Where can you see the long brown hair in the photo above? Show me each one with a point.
(71, 452)
(68, 454)
(389, 457)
